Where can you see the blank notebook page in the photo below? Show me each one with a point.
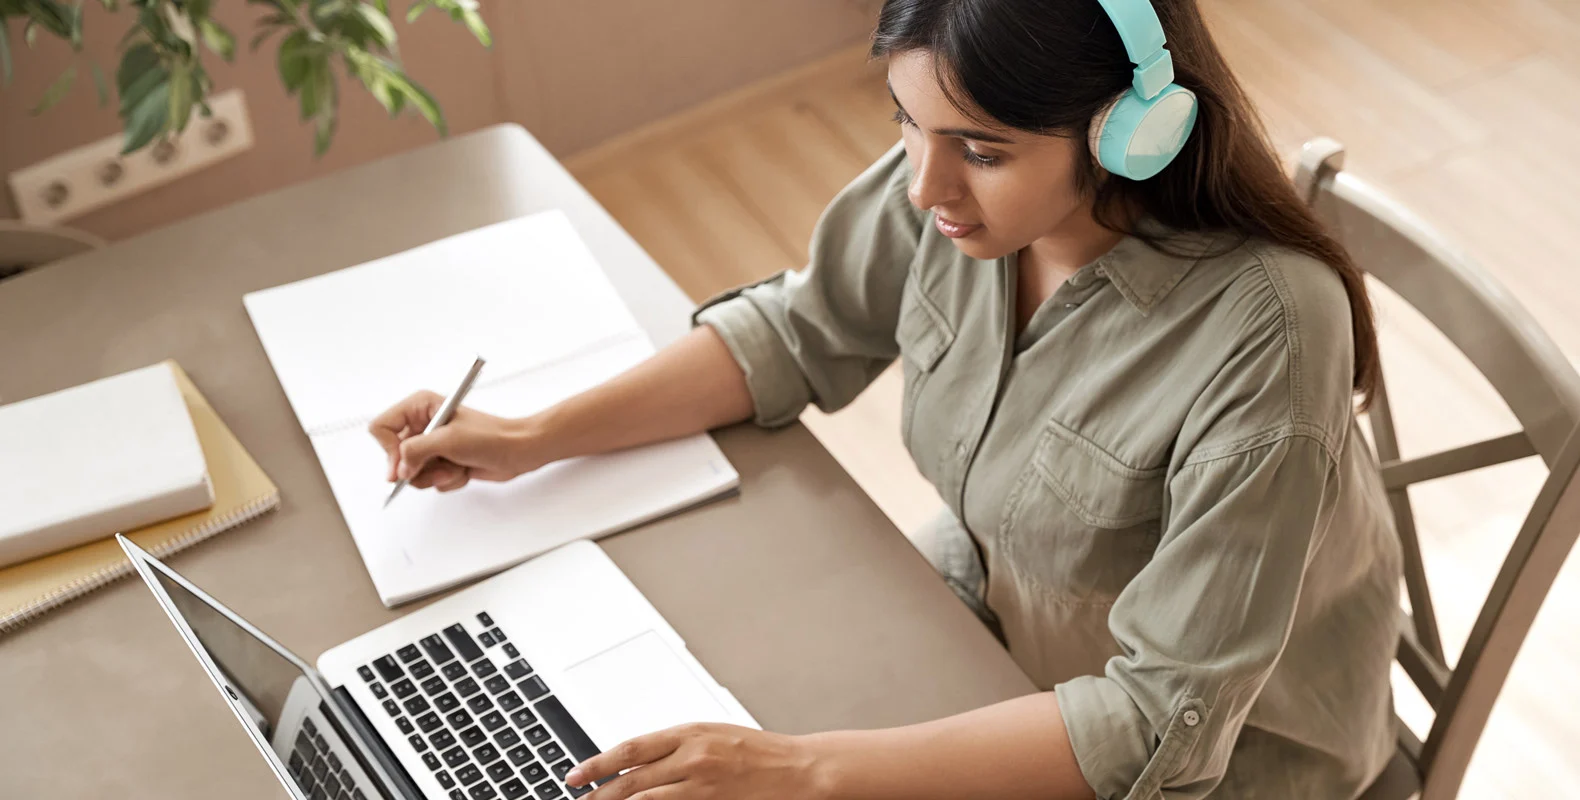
(526, 295)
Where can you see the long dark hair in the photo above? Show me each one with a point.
(1049, 67)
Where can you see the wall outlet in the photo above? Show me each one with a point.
(95, 175)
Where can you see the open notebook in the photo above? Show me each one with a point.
(526, 295)
(241, 492)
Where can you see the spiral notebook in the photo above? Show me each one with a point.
(528, 296)
(241, 492)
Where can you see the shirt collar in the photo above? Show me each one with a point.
(1145, 275)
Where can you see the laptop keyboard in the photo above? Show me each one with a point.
(318, 769)
(484, 731)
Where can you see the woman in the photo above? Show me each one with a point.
(1135, 395)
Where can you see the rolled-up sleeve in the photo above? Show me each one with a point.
(1202, 626)
(822, 334)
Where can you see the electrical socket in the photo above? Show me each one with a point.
(95, 175)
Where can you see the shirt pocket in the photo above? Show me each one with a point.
(924, 335)
(1080, 524)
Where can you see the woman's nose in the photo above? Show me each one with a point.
(933, 182)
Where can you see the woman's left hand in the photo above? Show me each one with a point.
(704, 761)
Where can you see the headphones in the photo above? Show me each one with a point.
(1138, 134)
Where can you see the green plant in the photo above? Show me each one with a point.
(161, 81)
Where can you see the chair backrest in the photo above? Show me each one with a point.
(1542, 390)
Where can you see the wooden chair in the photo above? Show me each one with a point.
(1542, 390)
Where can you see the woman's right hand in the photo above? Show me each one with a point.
(472, 445)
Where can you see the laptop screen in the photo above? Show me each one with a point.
(262, 675)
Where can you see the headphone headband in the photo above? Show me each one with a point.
(1142, 33)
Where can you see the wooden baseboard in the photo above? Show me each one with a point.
(838, 66)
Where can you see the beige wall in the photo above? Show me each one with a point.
(575, 72)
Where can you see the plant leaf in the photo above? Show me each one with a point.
(5, 52)
(474, 23)
(101, 84)
(324, 133)
(417, 10)
(260, 37)
(419, 97)
(218, 39)
(180, 97)
(56, 90)
(133, 95)
(378, 23)
(147, 120)
(294, 59)
(134, 63)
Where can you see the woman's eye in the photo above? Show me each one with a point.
(977, 159)
(901, 117)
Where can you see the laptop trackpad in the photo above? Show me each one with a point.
(638, 687)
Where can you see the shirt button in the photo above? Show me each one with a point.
(1192, 719)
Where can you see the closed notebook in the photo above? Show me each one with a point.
(241, 491)
(114, 454)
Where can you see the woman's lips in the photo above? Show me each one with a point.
(954, 230)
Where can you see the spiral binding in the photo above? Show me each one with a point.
(77, 588)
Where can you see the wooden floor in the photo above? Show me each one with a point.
(1468, 111)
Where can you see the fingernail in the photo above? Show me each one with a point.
(574, 777)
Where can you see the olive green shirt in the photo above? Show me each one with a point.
(1184, 533)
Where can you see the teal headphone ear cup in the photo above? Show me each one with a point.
(1137, 138)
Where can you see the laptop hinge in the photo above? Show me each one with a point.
(368, 744)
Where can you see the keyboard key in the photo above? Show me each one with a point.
(483, 791)
(497, 684)
(429, 722)
(517, 669)
(492, 721)
(480, 704)
(458, 718)
(562, 769)
(308, 782)
(485, 620)
(446, 702)
(416, 705)
(323, 746)
(366, 673)
(320, 769)
(444, 779)
(421, 669)
(499, 635)
(578, 791)
(403, 688)
(511, 651)
(457, 794)
(507, 738)
(388, 668)
(473, 736)
(500, 771)
(295, 763)
(469, 775)
(356, 794)
(330, 785)
(417, 742)
(378, 690)
(404, 725)
(567, 729)
(549, 790)
(441, 739)
(394, 710)
(537, 735)
(484, 668)
(432, 761)
(485, 754)
(409, 653)
(462, 642)
(520, 755)
(334, 763)
(433, 685)
(347, 781)
(534, 772)
(304, 743)
(436, 649)
(523, 718)
(486, 639)
(533, 687)
(467, 687)
(510, 701)
(513, 789)
(454, 670)
(455, 756)
(309, 727)
(551, 752)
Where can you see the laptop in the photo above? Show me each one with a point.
(493, 692)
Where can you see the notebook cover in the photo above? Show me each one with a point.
(241, 492)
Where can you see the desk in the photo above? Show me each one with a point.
(798, 594)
